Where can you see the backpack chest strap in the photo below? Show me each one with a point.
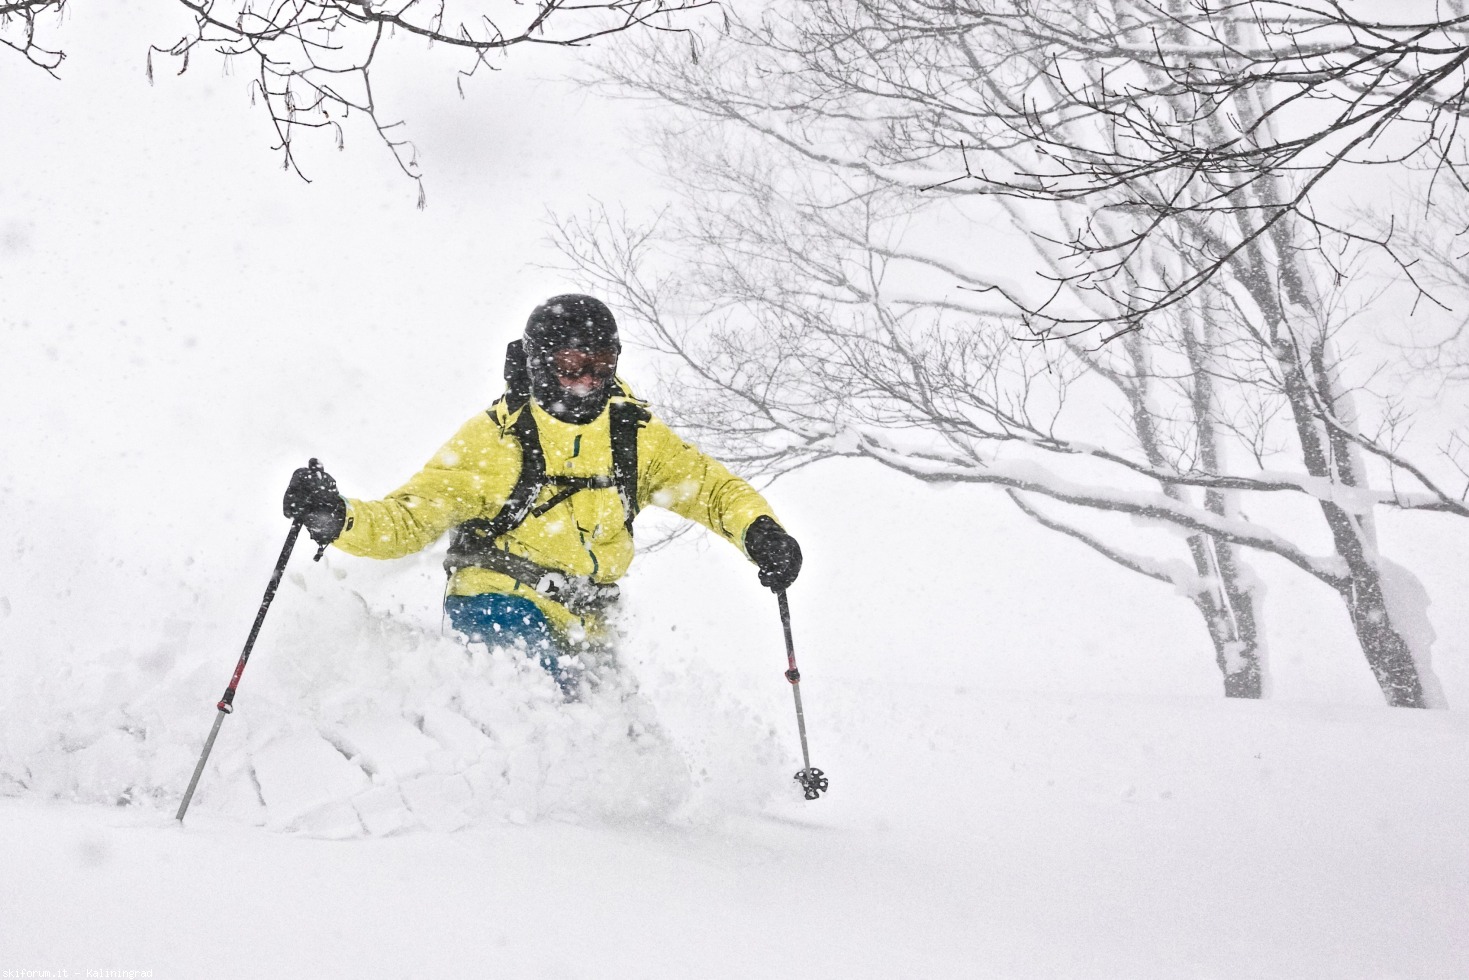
(570, 485)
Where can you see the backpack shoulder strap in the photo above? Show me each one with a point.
(473, 536)
(530, 481)
(627, 417)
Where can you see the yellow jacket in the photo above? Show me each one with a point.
(585, 535)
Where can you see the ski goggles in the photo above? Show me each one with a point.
(573, 363)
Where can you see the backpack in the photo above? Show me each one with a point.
(473, 538)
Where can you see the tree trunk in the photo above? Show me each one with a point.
(1327, 454)
(1231, 628)
(1241, 657)
(1225, 602)
(1388, 654)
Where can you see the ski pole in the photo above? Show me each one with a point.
(227, 703)
(813, 781)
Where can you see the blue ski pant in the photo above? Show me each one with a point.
(513, 621)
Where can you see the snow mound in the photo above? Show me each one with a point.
(348, 723)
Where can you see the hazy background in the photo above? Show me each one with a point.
(183, 322)
(1034, 772)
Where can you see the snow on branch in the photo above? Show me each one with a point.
(1031, 477)
(1175, 573)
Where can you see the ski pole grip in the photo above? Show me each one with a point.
(314, 465)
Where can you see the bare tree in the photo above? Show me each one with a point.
(19, 26)
(1160, 86)
(314, 60)
(1431, 234)
(806, 356)
(1250, 351)
(1432, 237)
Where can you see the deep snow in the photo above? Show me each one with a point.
(965, 835)
(982, 821)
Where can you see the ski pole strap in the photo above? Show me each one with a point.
(578, 593)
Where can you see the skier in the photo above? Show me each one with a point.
(541, 491)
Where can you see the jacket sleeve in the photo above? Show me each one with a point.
(468, 478)
(676, 476)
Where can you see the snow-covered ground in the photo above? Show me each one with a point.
(966, 834)
(385, 803)
(1032, 772)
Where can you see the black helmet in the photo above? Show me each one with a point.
(572, 322)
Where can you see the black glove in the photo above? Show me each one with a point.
(312, 499)
(775, 553)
